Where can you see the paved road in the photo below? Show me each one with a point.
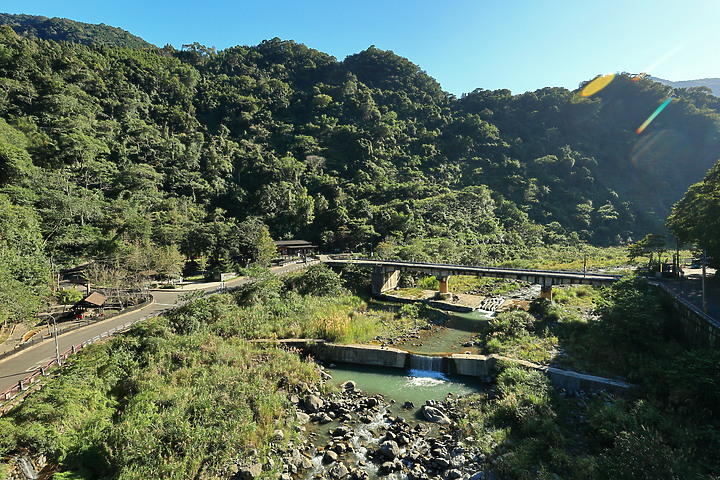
(18, 366)
(690, 288)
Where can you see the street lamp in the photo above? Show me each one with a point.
(57, 348)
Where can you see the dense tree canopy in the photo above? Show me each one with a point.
(110, 148)
(696, 218)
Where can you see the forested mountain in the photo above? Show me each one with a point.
(107, 152)
(712, 83)
(62, 29)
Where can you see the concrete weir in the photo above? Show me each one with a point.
(479, 366)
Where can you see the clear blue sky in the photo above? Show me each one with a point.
(520, 45)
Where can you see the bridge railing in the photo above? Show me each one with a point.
(454, 265)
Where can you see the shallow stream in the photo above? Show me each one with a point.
(459, 329)
(405, 391)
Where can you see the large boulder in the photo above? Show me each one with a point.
(313, 403)
(389, 449)
(349, 386)
(330, 457)
(339, 470)
(435, 415)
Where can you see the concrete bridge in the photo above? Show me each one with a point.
(386, 273)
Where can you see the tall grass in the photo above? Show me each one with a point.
(154, 405)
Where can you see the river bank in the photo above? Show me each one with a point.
(357, 435)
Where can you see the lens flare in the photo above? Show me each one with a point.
(596, 85)
(654, 114)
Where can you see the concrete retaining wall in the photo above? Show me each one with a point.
(360, 354)
(479, 366)
(698, 329)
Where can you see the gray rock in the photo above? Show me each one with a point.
(389, 467)
(454, 474)
(278, 435)
(458, 461)
(302, 418)
(313, 403)
(340, 431)
(339, 470)
(349, 386)
(389, 449)
(478, 476)
(435, 415)
(250, 472)
(305, 464)
(330, 457)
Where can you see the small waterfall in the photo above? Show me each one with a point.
(426, 363)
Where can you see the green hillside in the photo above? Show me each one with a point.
(62, 29)
(108, 152)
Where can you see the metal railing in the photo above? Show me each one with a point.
(686, 303)
(43, 370)
(69, 328)
(463, 266)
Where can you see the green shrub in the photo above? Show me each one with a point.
(318, 280)
(68, 296)
(428, 283)
(515, 323)
(409, 310)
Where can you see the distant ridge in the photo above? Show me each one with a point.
(62, 29)
(712, 83)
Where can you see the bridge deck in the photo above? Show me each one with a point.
(544, 277)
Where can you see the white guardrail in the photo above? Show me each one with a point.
(43, 370)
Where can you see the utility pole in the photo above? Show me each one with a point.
(704, 262)
(57, 347)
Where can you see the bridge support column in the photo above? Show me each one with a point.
(384, 279)
(546, 292)
(443, 279)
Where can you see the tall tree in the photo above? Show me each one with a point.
(696, 218)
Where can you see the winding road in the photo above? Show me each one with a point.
(18, 366)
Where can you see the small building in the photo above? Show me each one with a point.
(294, 248)
(94, 301)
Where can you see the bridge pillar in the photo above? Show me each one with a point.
(546, 292)
(443, 279)
(384, 278)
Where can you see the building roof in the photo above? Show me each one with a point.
(93, 300)
(293, 243)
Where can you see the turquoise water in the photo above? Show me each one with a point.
(402, 386)
(397, 386)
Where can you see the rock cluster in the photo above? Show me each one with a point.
(363, 437)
